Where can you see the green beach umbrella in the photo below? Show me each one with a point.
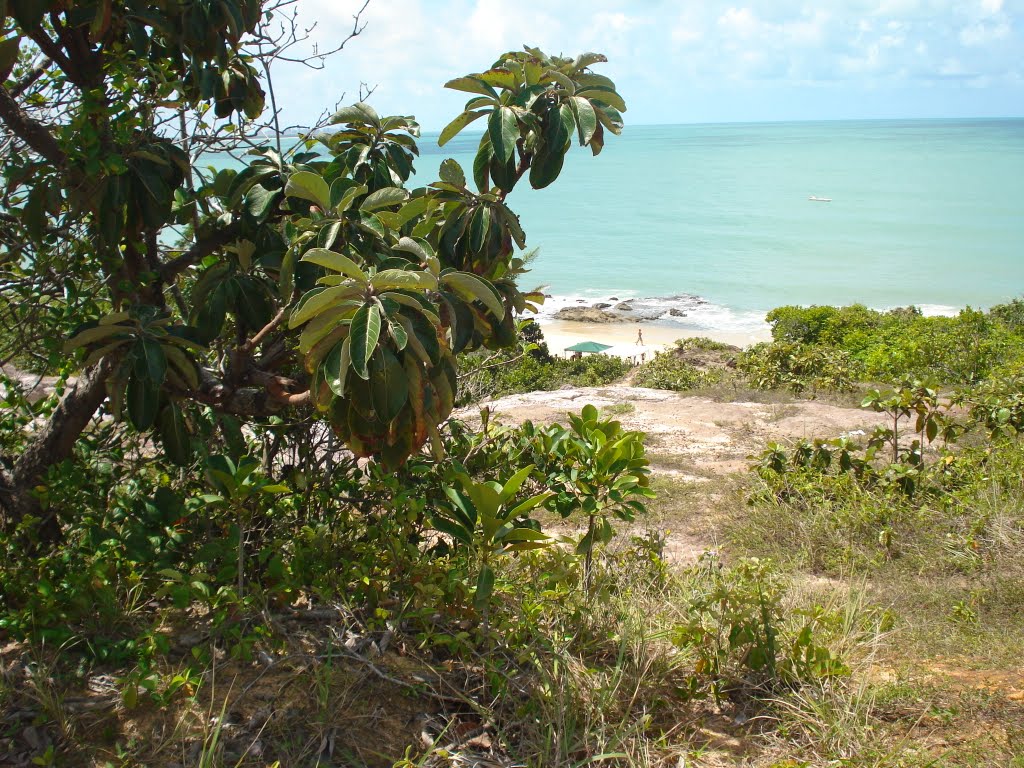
(588, 346)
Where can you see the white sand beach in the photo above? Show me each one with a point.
(560, 334)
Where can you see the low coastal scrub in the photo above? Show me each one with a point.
(532, 368)
(836, 348)
(693, 363)
(919, 489)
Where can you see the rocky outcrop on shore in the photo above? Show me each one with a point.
(630, 310)
(591, 315)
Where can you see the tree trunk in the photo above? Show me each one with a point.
(51, 444)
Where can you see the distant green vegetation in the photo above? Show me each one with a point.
(834, 348)
(532, 368)
(693, 363)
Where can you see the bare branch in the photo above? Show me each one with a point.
(33, 74)
(33, 133)
(199, 251)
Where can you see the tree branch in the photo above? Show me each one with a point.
(53, 442)
(199, 251)
(33, 133)
(34, 74)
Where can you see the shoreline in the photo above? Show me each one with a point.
(560, 334)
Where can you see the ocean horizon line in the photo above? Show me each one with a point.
(475, 131)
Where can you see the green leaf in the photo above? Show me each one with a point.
(500, 78)
(609, 116)
(481, 164)
(336, 366)
(150, 361)
(356, 113)
(547, 163)
(252, 303)
(512, 223)
(586, 119)
(470, 84)
(347, 196)
(586, 59)
(479, 228)
(605, 95)
(260, 201)
(471, 287)
(173, 433)
(209, 316)
(142, 397)
(309, 186)
(588, 79)
(364, 333)
(390, 279)
(419, 248)
(525, 534)
(335, 262)
(503, 128)
(452, 173)
(92, 335)
(514, 483)
(286, 276)
(383, 198)
(484, 587)
(562, 79)
(398, 334)
(455, 126)
(318, 302)
(415, 207)
(389, 387)
(456, 530)
(531, 503)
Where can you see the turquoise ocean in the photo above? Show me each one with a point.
(715, 221)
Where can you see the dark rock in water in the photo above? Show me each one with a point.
(676, 312)
(624, 306)
(586, 315)
(613, 298)
(601, 305)
(581, 301)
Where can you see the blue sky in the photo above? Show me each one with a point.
(684, 62)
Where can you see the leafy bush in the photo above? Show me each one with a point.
(668, 371)
(702, 343)
(742, 635)
(832, 348)
(785, 364)
(913, 490)
(529, 373)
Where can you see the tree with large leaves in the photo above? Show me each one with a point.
(310, 278)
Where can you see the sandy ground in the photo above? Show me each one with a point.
(560, 334)
(690, 439)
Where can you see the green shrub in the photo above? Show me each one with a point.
(702, 343)
(799, 367)
(528, 373)
(668, 371)
(835, 347)
(743, 637)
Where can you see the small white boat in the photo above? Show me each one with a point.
(817, 199)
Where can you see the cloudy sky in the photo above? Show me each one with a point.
(685, 61)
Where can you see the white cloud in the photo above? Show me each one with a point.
(411, 47)
(982, 34)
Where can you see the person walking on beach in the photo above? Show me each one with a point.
(640, 337)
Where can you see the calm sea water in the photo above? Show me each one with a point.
(926, 212)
